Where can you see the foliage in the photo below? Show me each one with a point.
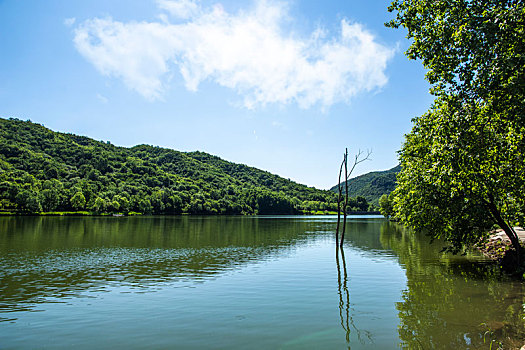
(460, 175)
(78, 201)
(462, 164)
(472, 49)
(386, 205)
(42, 170)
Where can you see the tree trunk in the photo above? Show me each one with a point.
(509, 231)
(345, 205)
(339, 197)
(346, 198)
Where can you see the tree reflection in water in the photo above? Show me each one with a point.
(453, 302)
(345, 309)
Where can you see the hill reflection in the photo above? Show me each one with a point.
(449, 302)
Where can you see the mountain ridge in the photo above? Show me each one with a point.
(44, 170)
(371, 185)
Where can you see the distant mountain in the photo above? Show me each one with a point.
(43, 170)
(372, 185)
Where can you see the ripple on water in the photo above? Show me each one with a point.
(28, 280)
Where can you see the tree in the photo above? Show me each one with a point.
(272, 203)
(461, 175)
(122, 203)
(115, 205)
(99, 206)
(386, 205)
(78, 201)
(357, 159)
(28, 200)
(174, 205)
(157, 202)
(361, 203)
(462, 164)
(473, 49)
(145, 206)
(49, 199)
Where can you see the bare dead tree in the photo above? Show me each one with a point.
(359, 158)
(345, 206)
(339, 198)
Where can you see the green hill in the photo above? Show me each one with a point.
(43, 170)
(372, 185)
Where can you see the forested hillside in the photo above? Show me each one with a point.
(372, 185)
(45, 171)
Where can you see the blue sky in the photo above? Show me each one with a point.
(283, 86)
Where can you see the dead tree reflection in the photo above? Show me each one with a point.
(345, 309)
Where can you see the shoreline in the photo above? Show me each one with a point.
(498, 244)
(87, 213)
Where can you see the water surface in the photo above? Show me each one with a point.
(244, 282)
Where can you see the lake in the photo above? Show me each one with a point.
(190, 282)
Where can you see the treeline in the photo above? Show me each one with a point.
(46, 171)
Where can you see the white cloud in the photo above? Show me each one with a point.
(249, 52)
(102, 98)
(70, 21)
(179, 8)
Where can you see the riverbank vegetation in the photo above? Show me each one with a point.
(462, 165)
(42, 171)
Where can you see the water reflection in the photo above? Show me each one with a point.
(345, 308)
(453, 302)
(447, 302)
(50, 259)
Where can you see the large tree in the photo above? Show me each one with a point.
(461, 175)
(462, 164)
(472, 48)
